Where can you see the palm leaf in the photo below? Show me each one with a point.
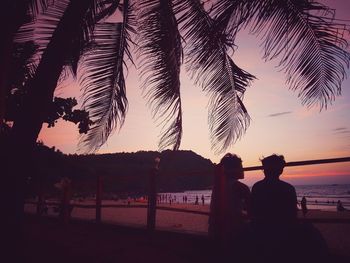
(82, 40)
(207, 51)
(33, 9)
(37, 7)
(103, 82)
(47, 23)
(161, 53)
(24, 65)
(228, 117)
(234, 14)
(309, 44)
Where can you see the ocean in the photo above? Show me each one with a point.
(323, 197)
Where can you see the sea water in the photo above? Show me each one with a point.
(322, 197)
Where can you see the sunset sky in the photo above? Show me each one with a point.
(280, 124)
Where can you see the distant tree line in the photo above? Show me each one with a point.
(122, 173)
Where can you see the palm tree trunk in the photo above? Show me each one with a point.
(12, 17)
(41, 88)
(27, 126)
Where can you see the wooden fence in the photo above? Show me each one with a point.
(99, 189)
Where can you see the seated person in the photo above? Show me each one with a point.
(230, 199)
(277, 234)
(273, 200)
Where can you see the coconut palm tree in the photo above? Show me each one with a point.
(301, 35)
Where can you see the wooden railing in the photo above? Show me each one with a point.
(99, 189)
(309, 162)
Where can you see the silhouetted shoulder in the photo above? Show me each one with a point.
(287, 186)
(243, 186)
(241, 189)
(257, 184)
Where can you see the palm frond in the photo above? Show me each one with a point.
(48, 21)
(103, 82)
(81, 40)
(208, 43)
(37, 7)
(228, 117)
(107, 8)
(310, 45)
(234, 14)
(24, 65)
(25, 12)
(161, 53)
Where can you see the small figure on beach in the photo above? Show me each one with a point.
(230, 200)
(197, 200)
(152, 194)
(340, 206)
(202, 198)
(303, 204)
(43, 208)
(65, 185)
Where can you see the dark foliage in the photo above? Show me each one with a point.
(121, 172)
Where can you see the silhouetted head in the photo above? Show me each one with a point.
(273, 165)
(232, 165)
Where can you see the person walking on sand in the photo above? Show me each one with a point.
(303, 204)
(202, 198)
(196, 202)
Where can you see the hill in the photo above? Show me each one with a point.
(121, 172)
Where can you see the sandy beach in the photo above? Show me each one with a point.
(189, 218)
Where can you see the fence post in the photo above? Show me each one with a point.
(152, 196)
(98, 198)
(39, 206)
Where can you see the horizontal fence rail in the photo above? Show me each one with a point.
(301, 163)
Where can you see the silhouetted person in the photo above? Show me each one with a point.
(303, 205)
(42, 207)
(196, 202)
(273, 200)
(202, 198)
(340, 206)
(65, 209)
(277, 234)
(45, 208)
(152, 195)
(229, 206)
